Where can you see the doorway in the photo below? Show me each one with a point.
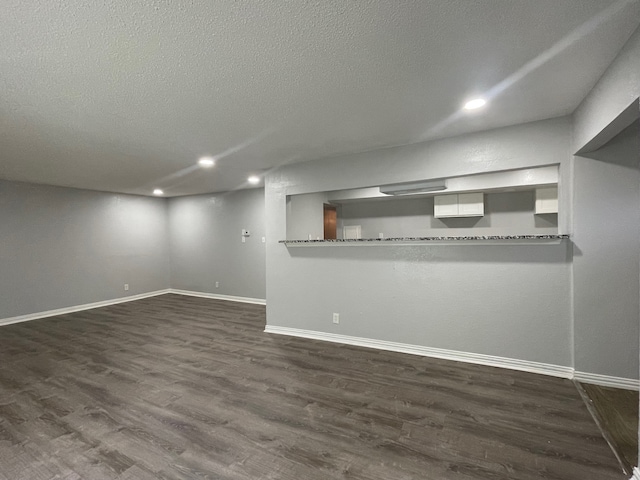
(330, 222)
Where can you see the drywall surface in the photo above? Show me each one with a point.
(522, 146)
(206, 243)
(62, 247)
(305, 216)
(511, 301)
(618, 88)
(607, 255)
(508, 213)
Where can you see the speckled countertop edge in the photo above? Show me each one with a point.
(432, 239)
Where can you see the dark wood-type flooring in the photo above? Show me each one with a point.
(616, 411)
(175, 387)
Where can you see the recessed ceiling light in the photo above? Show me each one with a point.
(475, 103)
(157, 191)
(206, 162)
(253, 179)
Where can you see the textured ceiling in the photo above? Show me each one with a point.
(124, 96)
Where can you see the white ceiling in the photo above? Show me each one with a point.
(124, 96)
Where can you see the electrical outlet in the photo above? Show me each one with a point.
(126, 287)
(217, 284)
(264, 239)
(336, 318)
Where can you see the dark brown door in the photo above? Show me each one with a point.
(330, 222)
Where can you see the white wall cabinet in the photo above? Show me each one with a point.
(458, 205)
(445, 206)
(547, 200)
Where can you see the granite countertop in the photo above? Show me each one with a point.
(392, 240)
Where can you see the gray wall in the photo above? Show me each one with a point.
(511, 301)
(607, 256)
(62, 247)
(305, 216)
(206, 247)
(617, 91)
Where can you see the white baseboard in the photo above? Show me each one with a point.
(636, 474)
(215, 296)
(79, 308)
(131, 298)
(607, 381)
(476, 358)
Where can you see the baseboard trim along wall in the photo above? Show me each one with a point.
(215, 296)
(607, 381)
(131, 298)
(477, 358)
(79, 308)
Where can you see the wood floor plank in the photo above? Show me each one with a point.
(616, 412)
(176, 387)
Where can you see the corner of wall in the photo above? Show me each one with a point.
(613, 95)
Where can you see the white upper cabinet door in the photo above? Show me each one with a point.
(352, 232)
(445, 206)
(547, 200)
(470, 204)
